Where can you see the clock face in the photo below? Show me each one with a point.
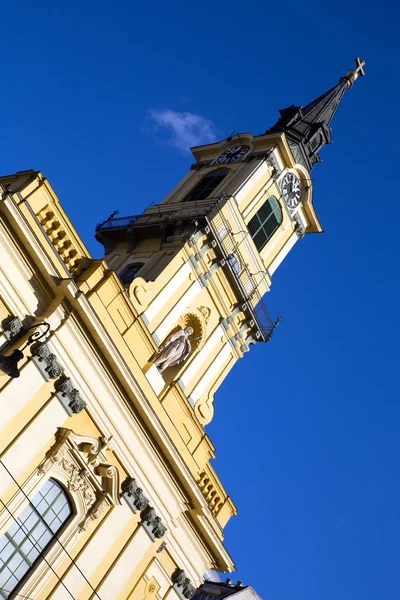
(233, 154)
(291, 190)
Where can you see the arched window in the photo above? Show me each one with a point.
(31, 533)
(265, 222)
(130, 273)
(206, 185)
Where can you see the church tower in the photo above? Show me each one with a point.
(205, 256)
(110, 366)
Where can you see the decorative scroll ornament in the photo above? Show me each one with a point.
(78, 481)
(95, 511)
(47, 361)
(134, 494)
(153, 523)
(70, 395)
(205, 311)
(183, 584)
(97, 485)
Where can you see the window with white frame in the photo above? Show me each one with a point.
(31, 533)
(265, 222)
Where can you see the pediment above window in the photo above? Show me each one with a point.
(82, 461)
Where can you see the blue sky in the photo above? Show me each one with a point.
(102, 98)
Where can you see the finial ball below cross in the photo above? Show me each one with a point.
(352, 75)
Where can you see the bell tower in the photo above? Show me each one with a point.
(110, 365)
(204, 258)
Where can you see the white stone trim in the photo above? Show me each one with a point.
(17, 393)
(15, 276)
(179, 308)
(254, 176)
(119, 575)
(31, 442)
(93, 553)
(157, 571)
(37, 247)
(211, 373)
(258, 197)
(198, 361)
(155, 379)
(283, 253)
(162, 298)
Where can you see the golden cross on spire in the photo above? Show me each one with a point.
(359, 65)
(352, 75)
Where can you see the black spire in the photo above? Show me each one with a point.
(308, 129)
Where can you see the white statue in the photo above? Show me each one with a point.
(174, 350)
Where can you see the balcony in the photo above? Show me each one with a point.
(161, 215)
(247, 284)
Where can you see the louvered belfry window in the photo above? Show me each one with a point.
(30, 534)
(206, 185)
(265, 222)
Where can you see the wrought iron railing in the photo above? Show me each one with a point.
(229, 243)
(161, 214)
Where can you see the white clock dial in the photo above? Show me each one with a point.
(291, 190)
(233, 154)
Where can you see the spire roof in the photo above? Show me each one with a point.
(308, 129)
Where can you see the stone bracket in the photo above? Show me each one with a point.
(134, 495)
(69, 396)
(13, 329)
(182, 584)
(152, 524)
(46, 361)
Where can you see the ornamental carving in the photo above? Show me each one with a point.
(134, 494)
(97, 509)
(13, 328)
(97, 485)
(47, 361)
(78, 481)
(70, 395)
(183, 584)
(153, 523)
(205, 311)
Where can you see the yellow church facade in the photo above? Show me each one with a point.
(110, 366)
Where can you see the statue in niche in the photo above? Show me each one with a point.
(174, 350)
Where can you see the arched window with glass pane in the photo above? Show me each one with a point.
(31, 533)
(206, 185)
(265, 222)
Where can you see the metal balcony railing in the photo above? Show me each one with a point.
(245, 280)
(161, 214)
